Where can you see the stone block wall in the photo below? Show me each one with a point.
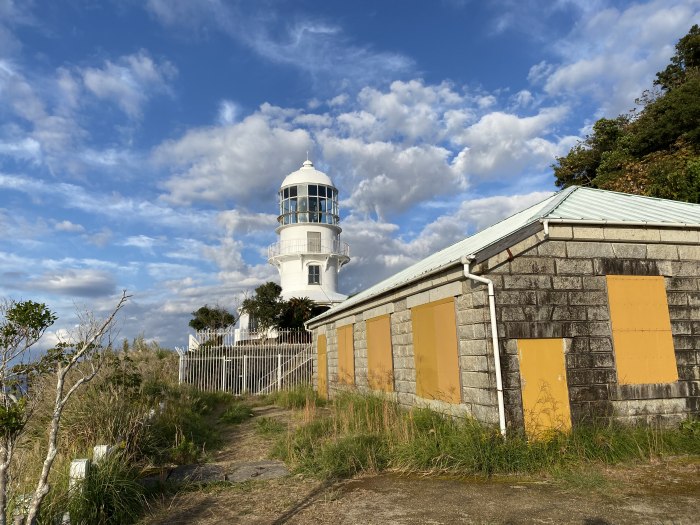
(557, 289)
(360, 345)
(551, 287)
(402, 351)
(476, 362)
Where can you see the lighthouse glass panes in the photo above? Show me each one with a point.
(308, 203)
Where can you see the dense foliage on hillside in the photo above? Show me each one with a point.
(653, 151)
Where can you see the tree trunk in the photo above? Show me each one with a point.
(42, 488)
(4, 463)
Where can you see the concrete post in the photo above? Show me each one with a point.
(79, 470)
(279, 372)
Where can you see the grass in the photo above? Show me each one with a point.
(299, 397)
(236, 413)
(369, 433)
(267, 426)
(135, 403)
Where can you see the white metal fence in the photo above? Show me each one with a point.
(254, 363)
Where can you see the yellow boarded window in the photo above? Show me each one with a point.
(435, 351)
(641, 329)
(322, 366)
(346, 355)
(380, 364)
(543, 386)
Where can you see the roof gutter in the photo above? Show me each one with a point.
(466, 261)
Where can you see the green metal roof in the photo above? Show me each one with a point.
(571, 204)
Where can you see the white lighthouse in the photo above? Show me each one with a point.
(309, 253)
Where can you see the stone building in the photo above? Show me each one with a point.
(584, 305)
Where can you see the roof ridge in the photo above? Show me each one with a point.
(558, 200)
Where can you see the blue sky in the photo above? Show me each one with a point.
(142, 142)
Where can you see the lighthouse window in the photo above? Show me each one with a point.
(314, 274)
(313, 208)
(308, 203)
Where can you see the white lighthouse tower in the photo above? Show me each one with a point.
(309, 253)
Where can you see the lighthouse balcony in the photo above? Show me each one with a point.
(299, 246)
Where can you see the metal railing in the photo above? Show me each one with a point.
(257, 364)
(294, 246)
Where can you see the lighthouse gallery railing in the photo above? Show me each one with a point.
(294, 246)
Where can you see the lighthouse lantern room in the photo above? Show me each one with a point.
(309, 252)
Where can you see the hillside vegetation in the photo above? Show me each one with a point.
(653, 151)
(136, 406)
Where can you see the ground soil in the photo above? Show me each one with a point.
(660, 492)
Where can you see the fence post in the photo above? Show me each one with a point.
(245, 373)
(181, 365)
(223, 374)
(100, 452)
(79, 470)
(279, 372)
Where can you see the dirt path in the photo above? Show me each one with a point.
(667, 492)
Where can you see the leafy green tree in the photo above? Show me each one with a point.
(579, 167)
(686, 59)
(212, 318)
(265, 306)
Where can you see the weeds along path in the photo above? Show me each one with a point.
(657, 491)
(242, 484)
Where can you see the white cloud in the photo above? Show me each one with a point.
(387, 178)
(25, 149)
(69, 227)
(503, 144)
(308, 43)
(143, 242)
(228, 112)
(612, 54)
(130, 81)
(75, 283)
(99, 238)
(241, 162)
(409, 111)
(339, 100)
(241, 222)
(113, 205)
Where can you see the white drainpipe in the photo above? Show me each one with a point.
(466, 261)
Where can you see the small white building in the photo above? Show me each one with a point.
(309, 253)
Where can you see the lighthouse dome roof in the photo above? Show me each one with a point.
(307, 174)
